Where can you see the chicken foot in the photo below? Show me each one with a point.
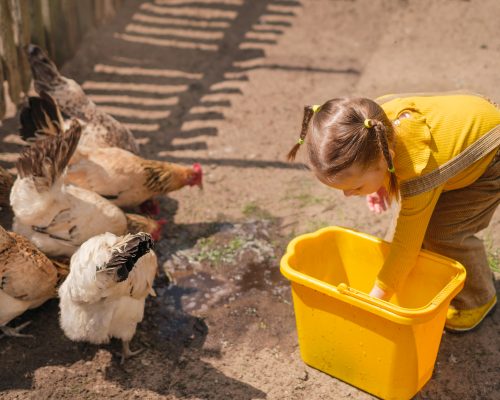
(14, 332)
(126, 352)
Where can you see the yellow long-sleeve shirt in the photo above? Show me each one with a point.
(438, 128)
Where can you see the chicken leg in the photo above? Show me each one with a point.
(14, 332)
(126, 352)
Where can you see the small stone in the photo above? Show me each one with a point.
(304, 376)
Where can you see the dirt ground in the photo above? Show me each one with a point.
(223, 83)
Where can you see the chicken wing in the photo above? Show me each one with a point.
(104, 294)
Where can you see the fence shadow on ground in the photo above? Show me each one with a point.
(168, 70)
(170, 337)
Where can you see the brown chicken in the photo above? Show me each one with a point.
(27, 279)
(125, 179)
(58, 217)
(98, 128)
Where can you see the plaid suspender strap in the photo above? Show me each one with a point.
(387, 98)
(473, 153)
(480, 148)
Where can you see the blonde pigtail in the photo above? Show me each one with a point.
(381, 132)
(308, 113)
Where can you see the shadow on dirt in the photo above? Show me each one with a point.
(171, 334)
(21, 357)
(174, 341)
(461, 353)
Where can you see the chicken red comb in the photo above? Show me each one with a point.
(197, 178)
(197, 168)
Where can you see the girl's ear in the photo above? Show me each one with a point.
(392, 153)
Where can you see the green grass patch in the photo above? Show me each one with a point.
(494, 259)
(218, 253)
(304, 199)
(493, 254)
(253, 210)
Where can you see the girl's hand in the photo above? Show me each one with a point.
(378, 202)
(380, 293)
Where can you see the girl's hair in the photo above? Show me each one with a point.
(338, 137)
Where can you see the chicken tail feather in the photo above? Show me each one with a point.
(46, 160)
(126, 253)
(40, 118)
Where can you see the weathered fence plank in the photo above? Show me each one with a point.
(85, 15)
(36, 22)
(2, 94)
(19, 14)
(59, 30)
(9, 51)
(69, 12)
(56, 25)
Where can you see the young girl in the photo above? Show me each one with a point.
(438, 155)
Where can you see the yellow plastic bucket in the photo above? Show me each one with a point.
(384, 348)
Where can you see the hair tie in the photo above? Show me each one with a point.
(391, 170)
(368, 123)
(316, 108)
(300, 141)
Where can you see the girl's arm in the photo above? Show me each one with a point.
(410, 231)
(380, 293)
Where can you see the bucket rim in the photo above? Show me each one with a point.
(361, 299)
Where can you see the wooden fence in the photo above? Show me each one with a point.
(56, 25)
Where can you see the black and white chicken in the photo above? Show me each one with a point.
(104, 294)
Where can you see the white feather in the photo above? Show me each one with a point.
(94, 307)
(58, 210)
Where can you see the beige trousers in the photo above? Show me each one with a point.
(458, 216)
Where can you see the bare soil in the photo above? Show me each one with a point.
(223, 83)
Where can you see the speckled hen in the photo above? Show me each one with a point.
(98, 128)
(124, 178)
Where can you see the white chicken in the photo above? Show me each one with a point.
(56, 217)
(104, 294)
(98, 128)
(27, 279)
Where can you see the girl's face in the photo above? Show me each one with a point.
(360, 181)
